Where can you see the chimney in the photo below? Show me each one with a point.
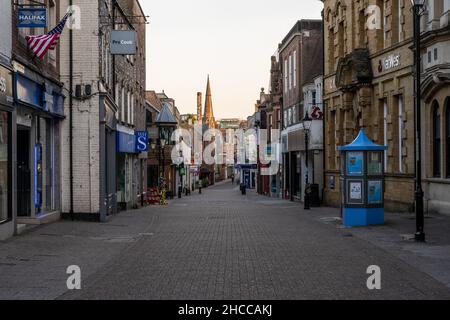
(199, 107)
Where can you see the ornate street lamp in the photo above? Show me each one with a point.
(418, 6)
(307, 123)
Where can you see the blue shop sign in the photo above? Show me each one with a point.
(142, 141)
(32, 18)
(38, 95)
(126, 143)
(28, 91)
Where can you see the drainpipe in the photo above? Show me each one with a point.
(71, 117)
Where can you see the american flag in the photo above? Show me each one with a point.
(41, 44)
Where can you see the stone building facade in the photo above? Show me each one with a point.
(368, 83)
(436, 105)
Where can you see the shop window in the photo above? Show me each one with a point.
(436, 140)
(5, 172)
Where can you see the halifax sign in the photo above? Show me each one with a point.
(32, 18)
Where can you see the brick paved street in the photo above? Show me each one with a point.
(218, 245)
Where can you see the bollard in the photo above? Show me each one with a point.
(200, 190)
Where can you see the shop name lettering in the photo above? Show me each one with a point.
(123, 42)
(391, 62)
(32, 17)
(227, 310)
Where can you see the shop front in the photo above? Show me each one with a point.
(126, 166)
(40, 111)
(6, 151)
(108, 193)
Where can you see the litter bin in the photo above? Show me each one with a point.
(314, 197)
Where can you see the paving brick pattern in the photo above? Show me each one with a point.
(221, 245)
(218, 245)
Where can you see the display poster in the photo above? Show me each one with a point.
(355, 163)
(375, 163)
(356, 191)
(375, 192)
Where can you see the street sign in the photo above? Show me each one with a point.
(141, 141)
(123, 42)
(32, 18)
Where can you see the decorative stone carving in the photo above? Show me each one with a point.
(354, 70)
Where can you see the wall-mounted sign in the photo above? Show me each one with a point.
(32, 18)
(388, 63)
(123, 42)
(141, 141)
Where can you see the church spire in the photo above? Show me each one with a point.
(208, 116)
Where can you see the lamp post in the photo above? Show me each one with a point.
(180, 167)
(162, 145)
(307, 122)
(153, 145)
(419, 195)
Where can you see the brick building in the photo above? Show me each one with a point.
(301, 60)
(37, 129)
(107, 109)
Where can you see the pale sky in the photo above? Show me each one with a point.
(231, 40)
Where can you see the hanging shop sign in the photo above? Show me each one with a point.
(123, 42)
(141, 141)
(32, 18)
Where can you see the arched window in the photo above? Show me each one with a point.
(447, 138)
(436, 140)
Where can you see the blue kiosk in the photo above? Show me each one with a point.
(362, 178)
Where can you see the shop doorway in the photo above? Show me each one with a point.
(23, 173)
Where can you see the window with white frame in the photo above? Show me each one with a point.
(128, 107)
(132, 109)
(122, 105)
(401, 128)
(290, 71)
(295, 69)
(286, 75)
